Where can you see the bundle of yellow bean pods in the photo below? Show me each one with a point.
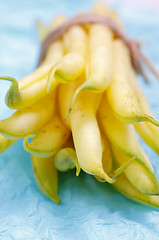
(82, 107)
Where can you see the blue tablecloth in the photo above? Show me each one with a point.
(89, 210)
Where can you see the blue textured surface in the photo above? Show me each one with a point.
(89, 210)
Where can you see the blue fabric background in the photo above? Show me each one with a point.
(89, 210)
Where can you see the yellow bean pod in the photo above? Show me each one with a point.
(124, 186)
(72, 65)
(5, 143)
(100, 61)
(28, 120)
(49, 139)
(46, 177)
(102, 8)
(110, 165)
(147, 131)
(66, 159)
(85, 130)
(124, 138)
(120, 94)
(32, 88)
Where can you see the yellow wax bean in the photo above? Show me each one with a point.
(85, 131)
(32, 88)
(120, 94)
(124, 138)
(56, 46)
(42, 30)
(147, 131)
(66, 159)
(124, 186)
(72, 65)
(107, 157)
(110, 165)
(49, 139)
(46, 177)
(135, 173)
(28, 120)
(100, 64)
(102, 8)
(5, 143)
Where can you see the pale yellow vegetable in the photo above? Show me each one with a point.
(135, 173)
(102, 8)
(49, 139)
(32, 88)
(85, 131)
(124, 138)
(28, 120)
(66, 159)
(110, 165)
(42, 30)
(120, 94)
(107, 156)
(123, 185)
(5, 143)
(72, 65)
(100, 61)
(46, 177)
(147, 131)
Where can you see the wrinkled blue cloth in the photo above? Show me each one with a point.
(89, 210)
